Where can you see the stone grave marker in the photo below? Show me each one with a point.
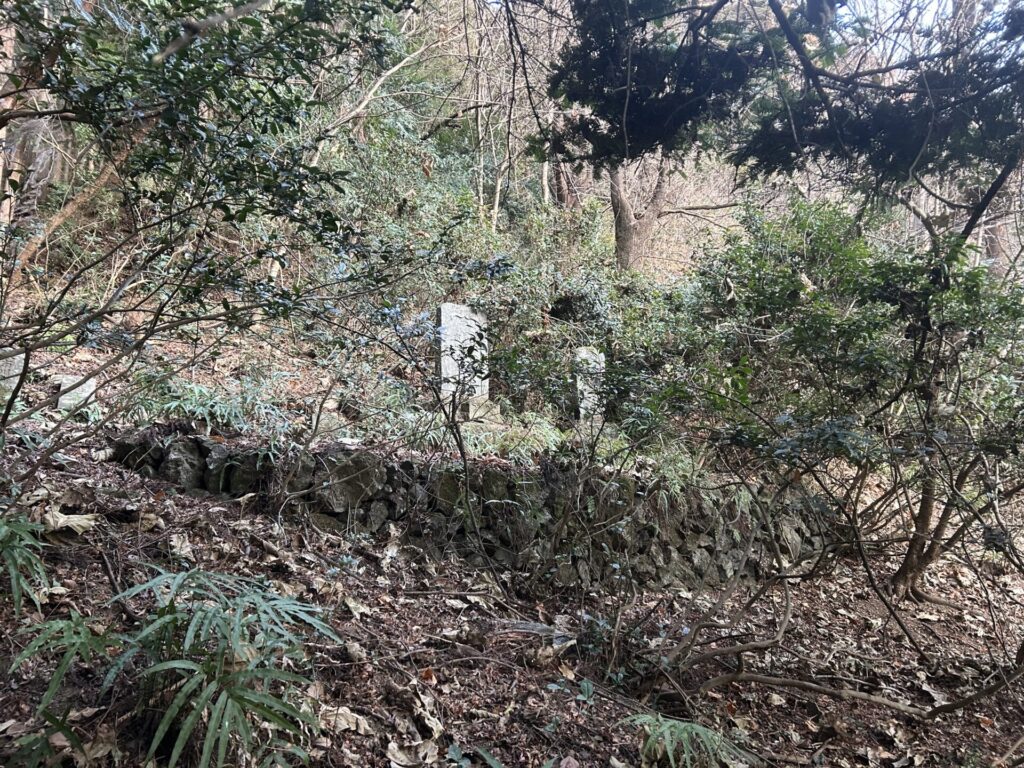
(589, 380)
(462, 360)
(10, 372)
(10, 367)
(71, 399)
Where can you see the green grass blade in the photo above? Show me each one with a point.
(187, 727)
(214, 730)
(172, 713)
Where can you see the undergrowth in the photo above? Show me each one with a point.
(213, 667)
(685, 744)
(19, 558)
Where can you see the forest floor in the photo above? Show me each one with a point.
(439, 658)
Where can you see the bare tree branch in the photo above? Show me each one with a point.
(193, 29)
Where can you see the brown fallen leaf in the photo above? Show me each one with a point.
(55, 521)
(402, 758)
(181, 546)
(339, 719)
(7, 724)
(356, 608)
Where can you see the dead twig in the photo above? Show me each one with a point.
(1004, 760)
(115, 584)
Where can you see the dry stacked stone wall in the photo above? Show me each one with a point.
(567, 528)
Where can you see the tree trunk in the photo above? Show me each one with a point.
(936, 546)
(545, 186)
(995, 239)
(633, 230)
(545, 168)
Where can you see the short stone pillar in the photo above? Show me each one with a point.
(74, 395)
(588, 374)
(462, 361)
(10, 371)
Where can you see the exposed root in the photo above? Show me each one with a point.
(923, 597)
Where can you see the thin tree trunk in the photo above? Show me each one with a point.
(625, 221)
(935, 546)
(545, 168)
(7, 51)
(545, 186)
(565, 187)
(906, 578)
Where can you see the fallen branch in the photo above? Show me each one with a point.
(985, 692)
(844, 694)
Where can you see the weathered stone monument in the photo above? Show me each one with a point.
(589, 379)
(462, 361)
(73, 395)
(10, 371)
